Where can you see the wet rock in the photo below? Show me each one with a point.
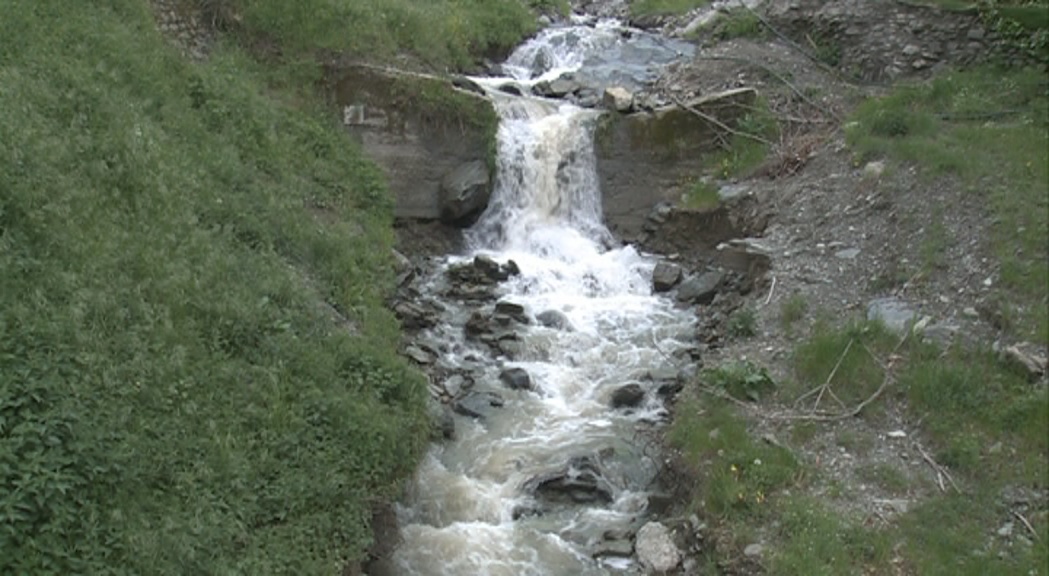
(516, 379)
(619, 548)
(618, 99)
(1030, 359)
(478, 404)
(700, 289)
(495, 271)
(579, 482)
(464, 193)
(414, 316)
(558, 88)
(895, 314)
(419, 355)
(446, 423)
(665, 276)
(553, 319)
(512, 310)
(455, 384)
(402, 266)
(655, 548)
(512, 89)
(525, 510)
(478, 325)
(628, 396)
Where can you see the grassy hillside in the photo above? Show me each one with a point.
(197, 375)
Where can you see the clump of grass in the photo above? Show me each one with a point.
(739, 475)
(744, 155)
(885, 476)
(792, 310)
(988, 127)
(640, 8)
(703, 195)
(739, 24)
(743, 323)
(816, 540)
(856, 374)
(742, 379)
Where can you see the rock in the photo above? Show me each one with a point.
(753, 550)
(464, 193)
(413, 316)
(495, 271)
(617, 99)
(628, 396)
(558, 88)
(655, 548)
(516, 379)
(1006, 530)
(446, 423)
(512, 310)
(700, 289)
(896, 315)
(553, 319)
(454, 385)
(419, 355)
(622, 548)
(1030, 359)
(847, 254)
(478, 404)
(665, 276)
(580, 481)
(512, 89)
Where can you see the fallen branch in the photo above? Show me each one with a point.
(941, 471)
(722, 125)
(772, 290)
(777, 76)
(823, 388)
(1027, 525)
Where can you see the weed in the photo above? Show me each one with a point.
(740, 379)
(856, 374)
(739, 24)
(815, 540)
(885, 476)
(703, 195)
(743, 323)
(641, 8)
(745, 154)
(792, 310)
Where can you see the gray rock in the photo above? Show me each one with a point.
(665, 276)
(553, 319)
(622, 548)
(512, 310)
(895, 314)
(478, 404)
(413, 316)
(753, 550)
(1030, 359)
(558, 88)
(516, 379)
(618, 99)
(628, 396)
(655, 548)
(446, 423)
(419, 355)
(454, 385)
(847, 254)
(465, 192)
(580, 481)
(700, 289)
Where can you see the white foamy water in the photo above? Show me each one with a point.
(545, 215)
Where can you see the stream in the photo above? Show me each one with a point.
(550, 468)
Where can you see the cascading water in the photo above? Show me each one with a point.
(477, 506)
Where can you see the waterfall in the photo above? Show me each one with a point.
(476, 506)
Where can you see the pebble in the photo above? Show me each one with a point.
(753, 550)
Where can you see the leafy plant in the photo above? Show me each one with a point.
(743, 323)
(742, 379)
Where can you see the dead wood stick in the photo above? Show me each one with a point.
(1027, 525)
(777, 76)
(940, 470)
(720, 124)
(820, 389)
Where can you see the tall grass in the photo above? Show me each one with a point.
(197, 374)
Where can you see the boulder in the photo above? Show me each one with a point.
(618, 99)
(628, 396)
(665, 276)
(1029, 359)
(413, 316)
(464, 193)
(895, 314)
(580, 481)
(478, 404)
(558, 88)
(553, 319)
(512, 310)
(516, 379)
(655, 548)
(700, 289)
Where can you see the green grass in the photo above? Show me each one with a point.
(440, 33)
(743, 154)
(815, 540)
(737, 475)
(640, 8)
(857, 376)
(743, 323)
(703, 195)
(197, 372)
(739, 24)
(988, 128)
(792, 310)
(742, 380)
